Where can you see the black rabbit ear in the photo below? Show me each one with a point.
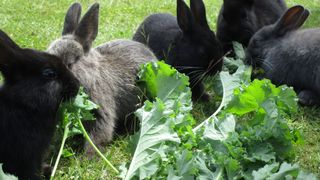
(292, 19)
(72, 18)
(184, 16)
(87, 30)
(8, 50)
(199, 12)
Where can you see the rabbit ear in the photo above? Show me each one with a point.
(8, 50)
(87, 30)
(293, 19)
(184, 17)
(302, 19)
(72, 18)
(199, 12)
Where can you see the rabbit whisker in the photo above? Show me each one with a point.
(265, 63)
(198, 79)
(213, 64)
(187, 67)
(194, 78)
(194, 72)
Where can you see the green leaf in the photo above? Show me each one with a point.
(265, 172)
(162, 81)
(67, 153)
(247, 137)
(4, 176)
(205, 172)
(217, 130)
(73, 113)
(286, 170)
(229, 83)
(158, 118)
(239, 51)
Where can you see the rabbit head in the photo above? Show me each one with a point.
(77, 36)
(197, 47)
(239, 20)
(29, 73)
(270, 35)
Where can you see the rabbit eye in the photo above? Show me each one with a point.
(49, 73)
(77, 58)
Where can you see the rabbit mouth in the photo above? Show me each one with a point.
(257, 62)
(195, 73)
(199, 73)
(70, 92)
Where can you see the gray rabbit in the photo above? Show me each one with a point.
(107, 72)
(288, 55)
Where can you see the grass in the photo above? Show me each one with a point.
(36, 23)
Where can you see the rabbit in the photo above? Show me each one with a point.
(184, 42)
(107, 72)
(289, 55)
(35, 83)
(238, 20)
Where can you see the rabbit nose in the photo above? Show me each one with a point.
(71, 89)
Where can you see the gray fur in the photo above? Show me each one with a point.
(238, 20)
(108, 74)
(288, 55)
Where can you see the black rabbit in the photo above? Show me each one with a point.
(288, 55)
(185, 42)
(239, 19)
(34, 85)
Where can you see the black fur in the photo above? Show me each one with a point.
(185, 42)
(288, 55)
(34, 85)
(239, 19)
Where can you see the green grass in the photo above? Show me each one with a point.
(36, 23)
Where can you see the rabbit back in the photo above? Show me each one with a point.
(125, 57)
(158, 31)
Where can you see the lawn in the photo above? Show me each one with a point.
(36, 23)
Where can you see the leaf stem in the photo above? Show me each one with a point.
(65, 136)
(214, 115)
(95, 147)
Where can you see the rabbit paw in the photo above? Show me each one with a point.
(46, 170)
(308, 98)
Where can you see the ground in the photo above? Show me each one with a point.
(36, 23)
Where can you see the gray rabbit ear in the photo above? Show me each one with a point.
(184, 17)
(302, 19)
(292, 20)
(87, 30)
(199, 12)
(72, 18)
